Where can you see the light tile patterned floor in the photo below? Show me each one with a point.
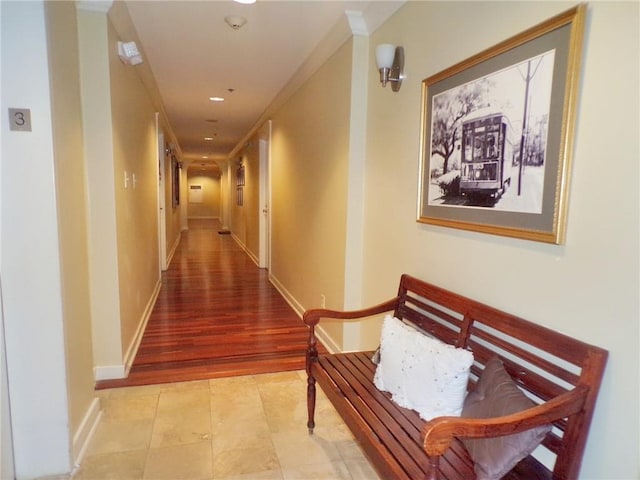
(251, 427)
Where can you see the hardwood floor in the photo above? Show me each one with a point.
(216, 315)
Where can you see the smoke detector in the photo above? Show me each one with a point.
(235, 22)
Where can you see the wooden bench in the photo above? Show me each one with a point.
(561, 373)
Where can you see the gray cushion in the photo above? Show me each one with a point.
(495, 395)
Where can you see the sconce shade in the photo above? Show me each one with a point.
(390, 61)
(384, 55)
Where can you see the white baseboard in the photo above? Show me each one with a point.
(173, 249)
(290, 299)
(137, 338)
(321, 334)
(113, 372)
(326, 340)
(249, 253)
(109, 372)
(85, 431)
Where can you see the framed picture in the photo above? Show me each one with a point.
(240, 178)
(175, 181)
(497, 135)
(239, 196)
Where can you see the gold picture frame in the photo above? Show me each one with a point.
(497, 135)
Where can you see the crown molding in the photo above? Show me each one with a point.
(100, 6)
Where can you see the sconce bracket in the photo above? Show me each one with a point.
(396, 74)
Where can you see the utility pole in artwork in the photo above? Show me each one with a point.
(525, 114)
(524, 126)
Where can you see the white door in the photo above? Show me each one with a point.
(162, 218)
(264, 260)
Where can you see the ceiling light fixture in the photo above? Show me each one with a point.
(235, 22)
(216, 99)
(208, 138)
(245, 2)
(390, 61)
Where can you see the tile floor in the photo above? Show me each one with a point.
(251, 427)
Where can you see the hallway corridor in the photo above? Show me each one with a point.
(199, 403)
(217, 315)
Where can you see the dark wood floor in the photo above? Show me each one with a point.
(216, 315)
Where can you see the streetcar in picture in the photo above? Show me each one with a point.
(487, 155)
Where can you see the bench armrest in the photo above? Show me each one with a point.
(439, 432)
(313, 316)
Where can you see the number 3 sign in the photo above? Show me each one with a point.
(20, 119)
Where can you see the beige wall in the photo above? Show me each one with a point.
(210, 206)
(587, 288)
(245, 218)
(135, 157)
(98, 150)
(309, 163)
(70, 176)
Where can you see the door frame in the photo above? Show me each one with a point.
(264, 196)
(162, 214)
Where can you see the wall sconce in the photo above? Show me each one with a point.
(390, 61)
(129, 53)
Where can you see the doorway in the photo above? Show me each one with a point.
(162, 218)
(264, 255)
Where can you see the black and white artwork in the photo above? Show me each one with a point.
(489, 137)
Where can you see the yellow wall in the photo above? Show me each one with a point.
(588, 287)
(309, 162)
(71, 204)
(98, 150)
(135, 157)
(245, 217)
(210, 206)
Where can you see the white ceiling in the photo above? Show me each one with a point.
(193, 55)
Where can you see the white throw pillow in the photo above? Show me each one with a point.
(421, 372)
(394, 342)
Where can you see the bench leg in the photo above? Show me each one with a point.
(311, 402)
(311, 358)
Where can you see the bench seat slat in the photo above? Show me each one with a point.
(396, 429)
(375, 414)
(407, 419)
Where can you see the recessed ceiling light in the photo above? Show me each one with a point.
(208, 138)
(216, 99)
(246, 2)
(235, 22)
(204, 156)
